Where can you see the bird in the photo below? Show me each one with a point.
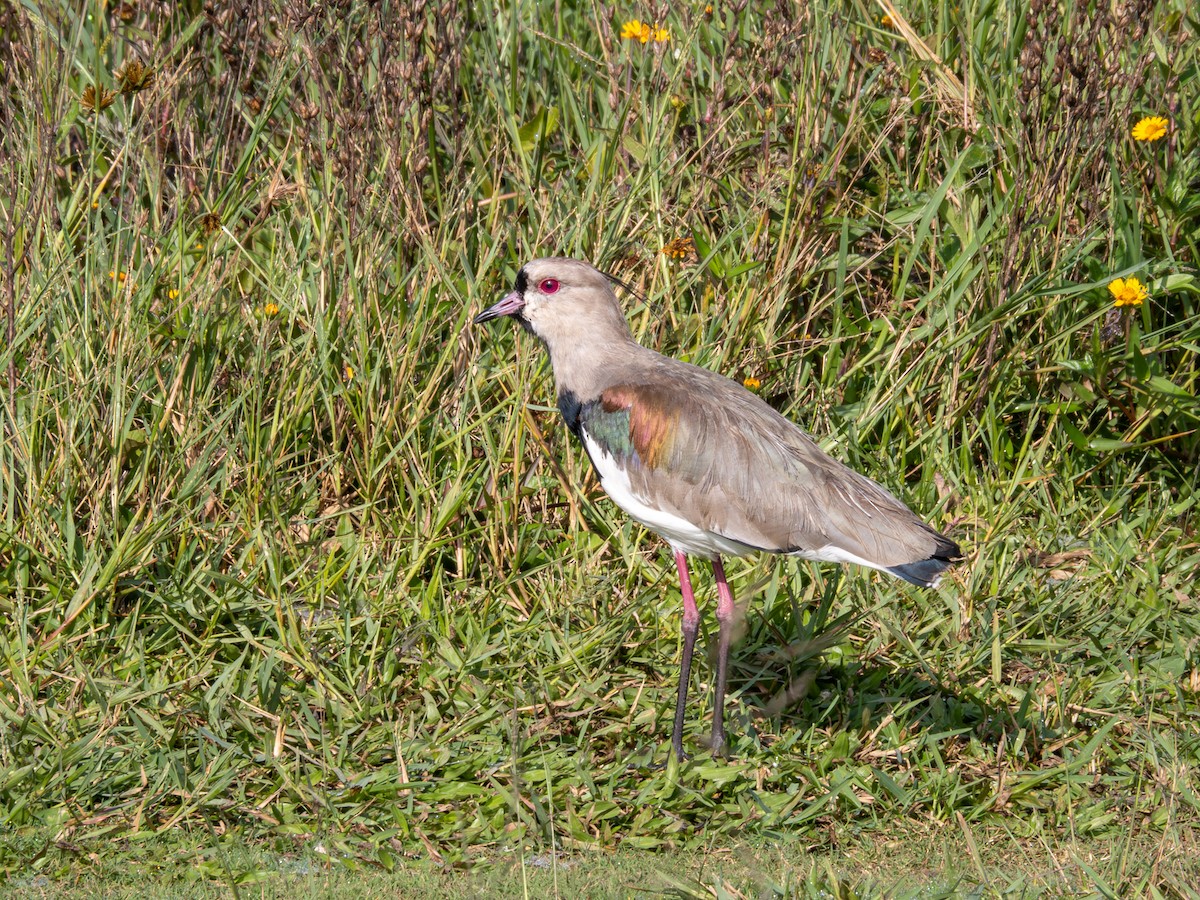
(704, 462)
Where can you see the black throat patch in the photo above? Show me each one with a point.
(569, 406)
(519, 286)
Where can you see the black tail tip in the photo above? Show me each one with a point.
(927, 572)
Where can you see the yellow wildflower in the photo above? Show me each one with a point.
(708, 10)
(1151, 128)
(173, 294)
(886, 21)
(751, 383)
(636, 30)
(271, 309)
(679, 248)
(117, 276)
(1127, 292)
(348, 372)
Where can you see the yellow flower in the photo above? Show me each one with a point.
(271, 309)
(636, 30)
(679, 248)
(1127, 292)
(348, 371)
(708, 10)
(751, 383)
(886, 21)
(1151, 128)
(117, 276)
(173, 294)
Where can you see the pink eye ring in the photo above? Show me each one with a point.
(548, 286)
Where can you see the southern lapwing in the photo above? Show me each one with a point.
(703, 462)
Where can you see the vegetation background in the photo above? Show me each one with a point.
(304, 586)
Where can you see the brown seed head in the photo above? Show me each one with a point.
(96, 99)
(134, 77)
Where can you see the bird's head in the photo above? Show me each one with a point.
(562, 301)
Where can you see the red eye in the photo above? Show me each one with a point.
(549, 286)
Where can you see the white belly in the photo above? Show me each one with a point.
(679, 532)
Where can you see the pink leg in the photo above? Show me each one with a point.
(691, 624)
(725, 622)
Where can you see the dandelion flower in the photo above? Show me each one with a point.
(1127, 292)
(679, 248)
(661, 35)
(1151, 128)
(751, 383)
(271, 309)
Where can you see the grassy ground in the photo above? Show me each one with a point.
(291, 557)
(916, 861)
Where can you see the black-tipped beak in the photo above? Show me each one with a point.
(511, 305)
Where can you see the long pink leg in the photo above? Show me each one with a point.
(691, 624)
(725, 621)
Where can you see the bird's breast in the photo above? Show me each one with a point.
(656, 513)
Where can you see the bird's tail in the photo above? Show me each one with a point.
(927, 572)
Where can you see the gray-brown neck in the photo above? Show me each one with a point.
(588, 364)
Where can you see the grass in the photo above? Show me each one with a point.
(919, 861)
(293, 557)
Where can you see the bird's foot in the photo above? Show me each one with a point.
(675, 758)
(717, 744)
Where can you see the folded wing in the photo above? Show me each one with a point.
(699, 447)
